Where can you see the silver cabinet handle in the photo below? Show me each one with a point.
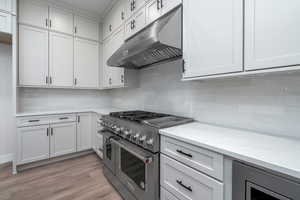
(110, 81)
(46, 22)
(63, 118)
(78, 119)
(158, 4)
(122, 15)
(50, 23)
(75, 29)
(47, 131)
(161, 4)
(75, 81)
(185, 154)
(51, 131)
(50, 80)
(122, 78)
(33, 120)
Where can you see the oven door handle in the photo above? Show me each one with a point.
(147, 159)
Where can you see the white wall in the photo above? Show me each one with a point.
(268, 104)
(31, 99)
(6, 107)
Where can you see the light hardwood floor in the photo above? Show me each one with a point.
(76, 179)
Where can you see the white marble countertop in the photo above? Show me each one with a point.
(102, 111)
(275, 153)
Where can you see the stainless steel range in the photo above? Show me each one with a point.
(131, 151)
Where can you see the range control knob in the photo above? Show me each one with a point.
(127, 133)
(143, 138)
(150, 142)
(136, 136)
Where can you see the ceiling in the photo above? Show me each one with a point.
(96, 6)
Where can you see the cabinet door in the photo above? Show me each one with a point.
(186, 183)
(117, 73)
(271, 34)
(61, 20)
(168, 5)
(33, 13)
(33, 56)
(5, 23)
(119, 14)
(6, 5)
(63, 139)
(153, 11)
(84, 132)
(112, 76)
(33, 144)
(134, 5)
(107, 25)
(106, 79)
(61, 60)
(86, 66)
(212, 41)
(136, 23)
(86, 28)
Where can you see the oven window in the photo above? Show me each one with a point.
(258, 195)
(133, 167)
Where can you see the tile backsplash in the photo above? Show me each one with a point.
(265, 103)
(32, 99)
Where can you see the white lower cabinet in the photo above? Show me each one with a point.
(84, 131)
(33, 144)
(62, 139)
(165, 195)
(186, 183)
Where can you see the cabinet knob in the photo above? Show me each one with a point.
(110, 81)
(122, 15)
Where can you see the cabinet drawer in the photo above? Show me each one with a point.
(165, 195)
(62, 118)
(186, 183)
(33, 121)
(200, 159)
(5, 23)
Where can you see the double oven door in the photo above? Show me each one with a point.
(136, 168)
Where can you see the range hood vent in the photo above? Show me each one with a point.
(159, 42)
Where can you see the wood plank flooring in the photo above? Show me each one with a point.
(76, 179)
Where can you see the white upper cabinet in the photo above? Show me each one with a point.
(112, 76)
(155, 9)
(84, 131)
(61, 20)
(115, 18)
(135, 23)
(212, 37)
(86, 28)
(33, 56)
(33, 144)
(271, 34)
(62, 139)
(134, 5)
(33, 13)
(61, 60)
(86, 68)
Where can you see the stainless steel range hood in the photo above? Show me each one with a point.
(159, 42)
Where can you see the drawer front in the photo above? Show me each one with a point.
(165, 195)
(186, 183)
(33, 121)
(200, 159)
(5, 23)
(62, 118)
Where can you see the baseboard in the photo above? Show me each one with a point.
(6, 158)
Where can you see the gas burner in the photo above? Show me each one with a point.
(137, 116)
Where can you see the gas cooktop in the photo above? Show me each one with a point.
(157, 120)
